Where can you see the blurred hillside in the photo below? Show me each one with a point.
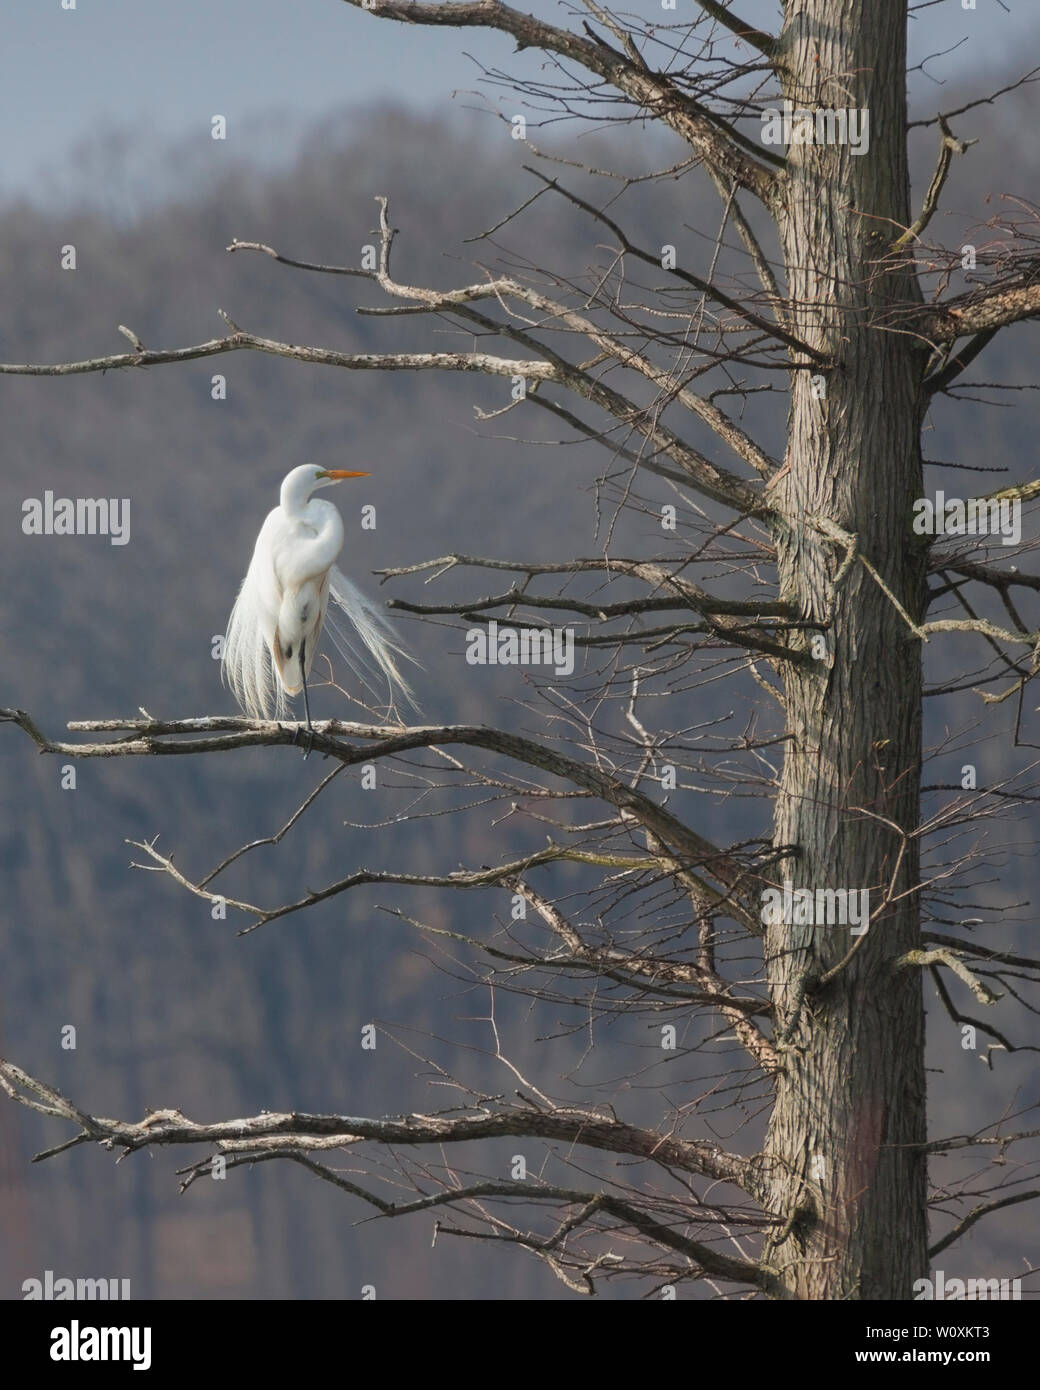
(171, 1009)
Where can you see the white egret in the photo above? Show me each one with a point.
(276, 623)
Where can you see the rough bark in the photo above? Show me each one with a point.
(852, 1096)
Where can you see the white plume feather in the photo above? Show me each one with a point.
(375, 632)
(247, 665)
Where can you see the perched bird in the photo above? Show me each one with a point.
(276, 623)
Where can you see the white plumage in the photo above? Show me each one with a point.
(276, 623)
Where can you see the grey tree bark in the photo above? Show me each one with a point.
(851, 1099)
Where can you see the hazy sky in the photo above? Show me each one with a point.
(165, 66)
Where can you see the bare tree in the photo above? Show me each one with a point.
(830, 594)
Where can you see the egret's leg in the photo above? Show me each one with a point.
(306, 700)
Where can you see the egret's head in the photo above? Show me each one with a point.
(298, 485)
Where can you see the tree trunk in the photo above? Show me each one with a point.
(841, 1161)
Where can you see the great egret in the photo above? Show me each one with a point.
(275, 625)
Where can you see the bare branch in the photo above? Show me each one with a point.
(976, 1215)
(718, 144)
(992, 308)
(324, 357)
(708, 477)
(938, 381)
(153, 737)
(941, 956)
(713, 291)
(567, 1125)
(713, 989)
(757, 38)
(652, 572)
(948, 147)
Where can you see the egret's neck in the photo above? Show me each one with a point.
(296, 493)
